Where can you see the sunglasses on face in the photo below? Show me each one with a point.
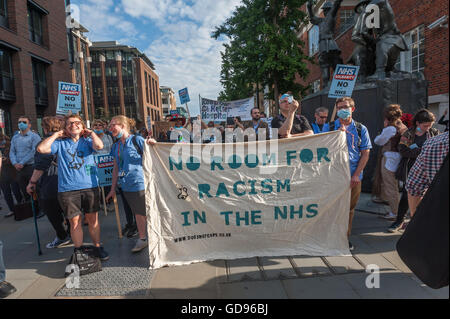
(23, 122)
(77, 123)
(323, 117)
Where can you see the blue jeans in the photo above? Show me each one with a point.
(2, 265)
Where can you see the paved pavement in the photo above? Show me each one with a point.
(292, 277)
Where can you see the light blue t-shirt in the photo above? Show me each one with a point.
(76, 165)
(129, 162)
(354, 151)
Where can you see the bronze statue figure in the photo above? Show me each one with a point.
(329, 52)
(364, 52)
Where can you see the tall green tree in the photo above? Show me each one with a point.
(264, 49)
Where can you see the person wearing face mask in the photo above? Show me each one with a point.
(359, 145)
(23, 148)
(409, 147)
(321, 125)
(45, 175)
(180, 133)
(128, 172)
(78, 190)
(99, 127)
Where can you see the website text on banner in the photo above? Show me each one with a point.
(69, 98)
(344, 80)
(267, 198)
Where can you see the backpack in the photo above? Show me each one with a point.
(86, 260)
(136, 145)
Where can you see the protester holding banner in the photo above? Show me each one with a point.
(23, 147)
(257, 124)
(46, 175)
(359, 145)
(321, 125)
(127, 153)
(288, 123)
(77, 178)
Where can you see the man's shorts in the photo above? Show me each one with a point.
(74, 203)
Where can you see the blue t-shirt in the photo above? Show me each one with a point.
(129, 162)
(354, 151)
(317, 130)
(76, 165)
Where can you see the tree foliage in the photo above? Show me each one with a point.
(264, 48)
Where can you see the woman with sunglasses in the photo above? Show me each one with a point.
(77, 178)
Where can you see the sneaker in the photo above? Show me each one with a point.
(132, 232)
(56, 243)
(394, 227)
(140, 244)
(9, 214)
(6, 289)
(390, 216)
(102, 254)
(350, 246)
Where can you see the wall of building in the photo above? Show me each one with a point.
(54, 50)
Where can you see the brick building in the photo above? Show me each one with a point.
(124, 82)
(428, 43)
(33, 58)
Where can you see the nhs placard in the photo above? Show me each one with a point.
(344, 80)
(184, 96)
(69, 98)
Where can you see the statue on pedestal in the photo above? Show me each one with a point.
(329, 52)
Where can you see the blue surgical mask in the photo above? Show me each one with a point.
(120, 134)
(23, 126)
(98, 131)
(419, 129)
(344, 114)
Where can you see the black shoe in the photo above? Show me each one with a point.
(132, 232)
(125, 230)
(394, 227)
(102, 254)
(350, 246)
(40, 214)
(6, 289)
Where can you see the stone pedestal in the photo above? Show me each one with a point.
(408, 90)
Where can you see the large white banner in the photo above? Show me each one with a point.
(212, 110)
(226, 201)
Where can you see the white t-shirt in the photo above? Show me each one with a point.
(392, 158)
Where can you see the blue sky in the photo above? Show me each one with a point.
(174, 34)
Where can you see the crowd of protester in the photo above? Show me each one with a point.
(61, 168)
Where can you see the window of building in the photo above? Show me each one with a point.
(313, 39)
(6, 74)
(35, 18)
(150, 89)
(40, 83)
(413, 60)
(4, 13)
(110, 55)
(346, 20)
(146, 87)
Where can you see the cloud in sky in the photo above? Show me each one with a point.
(174, 34)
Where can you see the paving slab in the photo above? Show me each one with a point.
(344, 264)
(310, 266)
(194, 281)
(330, 287)
(272, 289)
(277, 268)
(243, 269)
(392, 285)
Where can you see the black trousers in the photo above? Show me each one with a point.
(23, 177)
(402, 206)
(131, 220)
(55, 215)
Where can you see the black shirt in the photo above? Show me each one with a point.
(300, 124)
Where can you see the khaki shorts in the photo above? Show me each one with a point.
(75, 203)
